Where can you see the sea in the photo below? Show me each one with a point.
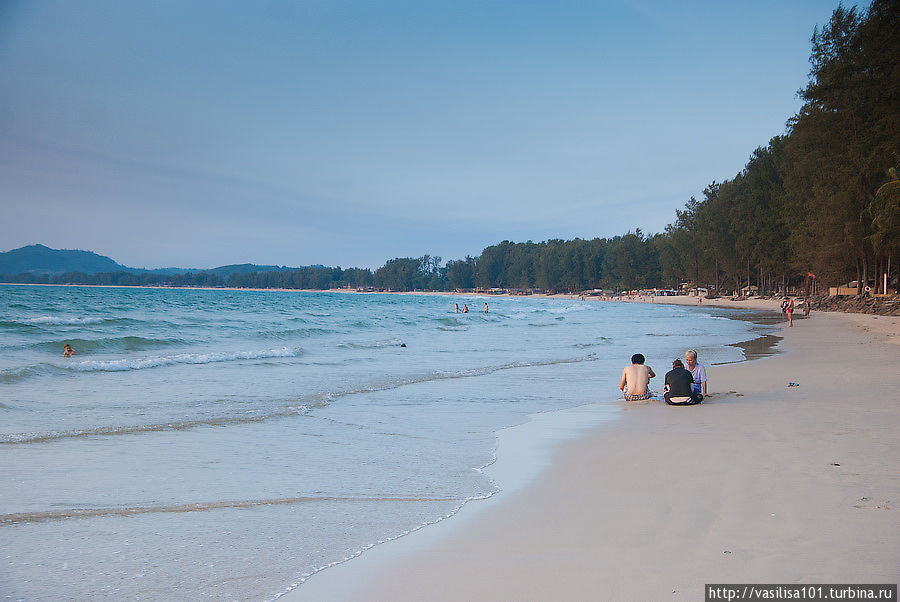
(228, 444)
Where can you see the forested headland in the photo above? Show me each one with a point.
(821, 200)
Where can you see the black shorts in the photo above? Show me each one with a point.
(695, 399)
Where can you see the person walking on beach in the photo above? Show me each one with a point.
(806, 308)
(697, 370)
(635, 383)
(790, 312)
(680, 386)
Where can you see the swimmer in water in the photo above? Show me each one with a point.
(456, 309)
(68, 351)
(465, 308)
(485, 308)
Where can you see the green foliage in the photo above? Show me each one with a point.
(807, 201)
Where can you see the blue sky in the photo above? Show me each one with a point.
(346, 133)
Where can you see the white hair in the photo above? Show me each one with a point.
(692, 353)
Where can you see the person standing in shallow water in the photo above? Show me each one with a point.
(635, 383)
(465, 308)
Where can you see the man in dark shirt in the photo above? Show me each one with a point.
(680, 386)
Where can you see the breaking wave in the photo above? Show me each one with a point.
(108, 344)
(291, 407)
(181, 358)
(370, 344)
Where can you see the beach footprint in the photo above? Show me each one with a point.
(868, 503)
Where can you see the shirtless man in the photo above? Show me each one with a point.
(68, 351)
(635, 383)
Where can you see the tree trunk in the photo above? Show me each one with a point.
(865, 271)
(878, 278)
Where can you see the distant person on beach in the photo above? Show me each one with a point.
(680, 386)
(456, 308)
(790, 311)
(635, 383)
(698, 371)
(485, 308)
(465, 308)
(784, 304)
(68, 351)
(806, 308)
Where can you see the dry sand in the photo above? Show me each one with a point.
(761, 483)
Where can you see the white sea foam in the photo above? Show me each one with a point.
(181, 358)
(61, 321)
(567, 309)
(370, 344)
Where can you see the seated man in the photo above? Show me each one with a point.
(635, 381)
(680, 386)
(697, 370)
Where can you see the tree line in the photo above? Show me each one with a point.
(823, 200)
(820, 201)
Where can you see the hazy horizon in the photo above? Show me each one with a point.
(340, 133)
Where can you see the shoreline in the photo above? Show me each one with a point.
(617, 494)
(752, 303)
(528, 450)
(537, 440)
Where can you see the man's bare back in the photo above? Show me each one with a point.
(636, 379)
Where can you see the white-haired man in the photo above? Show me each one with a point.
(698, 371)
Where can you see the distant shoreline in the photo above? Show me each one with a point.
(760, 304)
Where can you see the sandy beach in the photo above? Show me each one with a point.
(761, 483)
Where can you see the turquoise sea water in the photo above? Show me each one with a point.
(227, 444)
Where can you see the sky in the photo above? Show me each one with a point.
(293, 132)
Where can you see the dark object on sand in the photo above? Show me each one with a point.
(403, 344)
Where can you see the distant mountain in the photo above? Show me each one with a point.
(39, 259)
(245, 268)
